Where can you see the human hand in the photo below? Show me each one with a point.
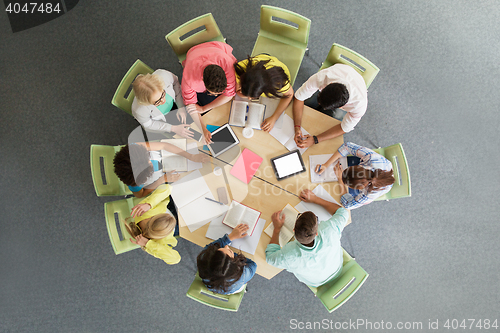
(239, 232)
(278, 220)
(172, 176)
(181, 115)
(320, 168)
(307, 141)
(207, 135)
(140, 240)
(307, 196)
(268, 124)
(182, 130)
(298, 136)
(202, 158)
(140, 209)
(338, 172)
(194, 108)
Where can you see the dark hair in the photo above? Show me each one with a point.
(256, 79)
(218, 270)
(214, 78)
(306, 228)
(132, 165)
(357, 176)
(333, 96)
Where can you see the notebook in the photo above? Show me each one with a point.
(246, 165)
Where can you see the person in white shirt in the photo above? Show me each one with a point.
(340, 86)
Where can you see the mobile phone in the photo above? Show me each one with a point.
(221, 192)
(196, 135)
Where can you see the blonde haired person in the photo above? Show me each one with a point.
(154, 226)
(158, 105)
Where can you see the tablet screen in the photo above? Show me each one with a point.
(223, 139)
(288, 165)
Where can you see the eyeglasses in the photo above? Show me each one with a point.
(159, 101)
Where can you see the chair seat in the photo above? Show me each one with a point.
(290, 55)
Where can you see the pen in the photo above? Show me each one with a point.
(220, 203)
(319, 168)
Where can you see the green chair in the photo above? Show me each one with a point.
(199, 30)
(342, 55)
(284, 35)
(402, 184)
(199, 292)
(106, 182)
(121, 99)
(116, 212)
(337, 291)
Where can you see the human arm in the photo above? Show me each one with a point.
(194, 111)
(173, 149)
(309, 196)
(331, 133)
(268, 123)
(278, 221)
(298, 110)
(320, 168)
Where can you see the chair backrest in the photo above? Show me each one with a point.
(199, 30)
(106, 182)
(123, 100)
(342, 55)
(402, 184)
(116, 212)
(199, 292)
(285, 26)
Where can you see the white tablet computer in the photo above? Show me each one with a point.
(287, 165)
(223, 139)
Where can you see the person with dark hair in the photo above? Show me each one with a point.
(208, 79)
(339, 86)
(264, 75)
(153, 226)
(315, 256)
(363, 183)
(222, 270)
(138, 165)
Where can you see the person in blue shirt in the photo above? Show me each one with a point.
(315, 256)
(138, 165)
(222, 270)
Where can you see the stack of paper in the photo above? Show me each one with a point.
(285, 134)
(320, 212)
(189, 196)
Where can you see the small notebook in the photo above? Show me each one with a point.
(246, 165)
(239, 213)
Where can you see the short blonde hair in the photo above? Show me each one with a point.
(145, 85)
(160, 226)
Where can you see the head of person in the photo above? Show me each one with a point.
(256, 79)
(306, 228)
(359, 178)
(334, 95)
(214, 79)
(132, 164)
(157, 227)
(220, 267)
(149, 89)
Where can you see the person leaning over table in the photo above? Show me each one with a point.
(221, 270)
(340, 86)
(264, 75)
(315, 256)
(363, 183)
(138, 165)
(207, 79)
(154, 227)
(156, 95)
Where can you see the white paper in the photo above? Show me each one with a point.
(328, 175)
(285, 135)
(189, 188)
(321, 212)
(201, 211)
(248, 244)
(271, 105)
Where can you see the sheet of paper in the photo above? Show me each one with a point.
(248, 244)
(328, 175)
(321, 212)
(271, 105)
(189, 188)
(291, 145)
(192, 148)
(201, 211)
(285, 134)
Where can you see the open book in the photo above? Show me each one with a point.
(239, 213)
(328, 175)
(286, 232)
(171, 161)
(245, 114)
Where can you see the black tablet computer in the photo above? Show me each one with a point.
(223, 139)
(287, 165)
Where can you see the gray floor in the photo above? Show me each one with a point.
(431, 257)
